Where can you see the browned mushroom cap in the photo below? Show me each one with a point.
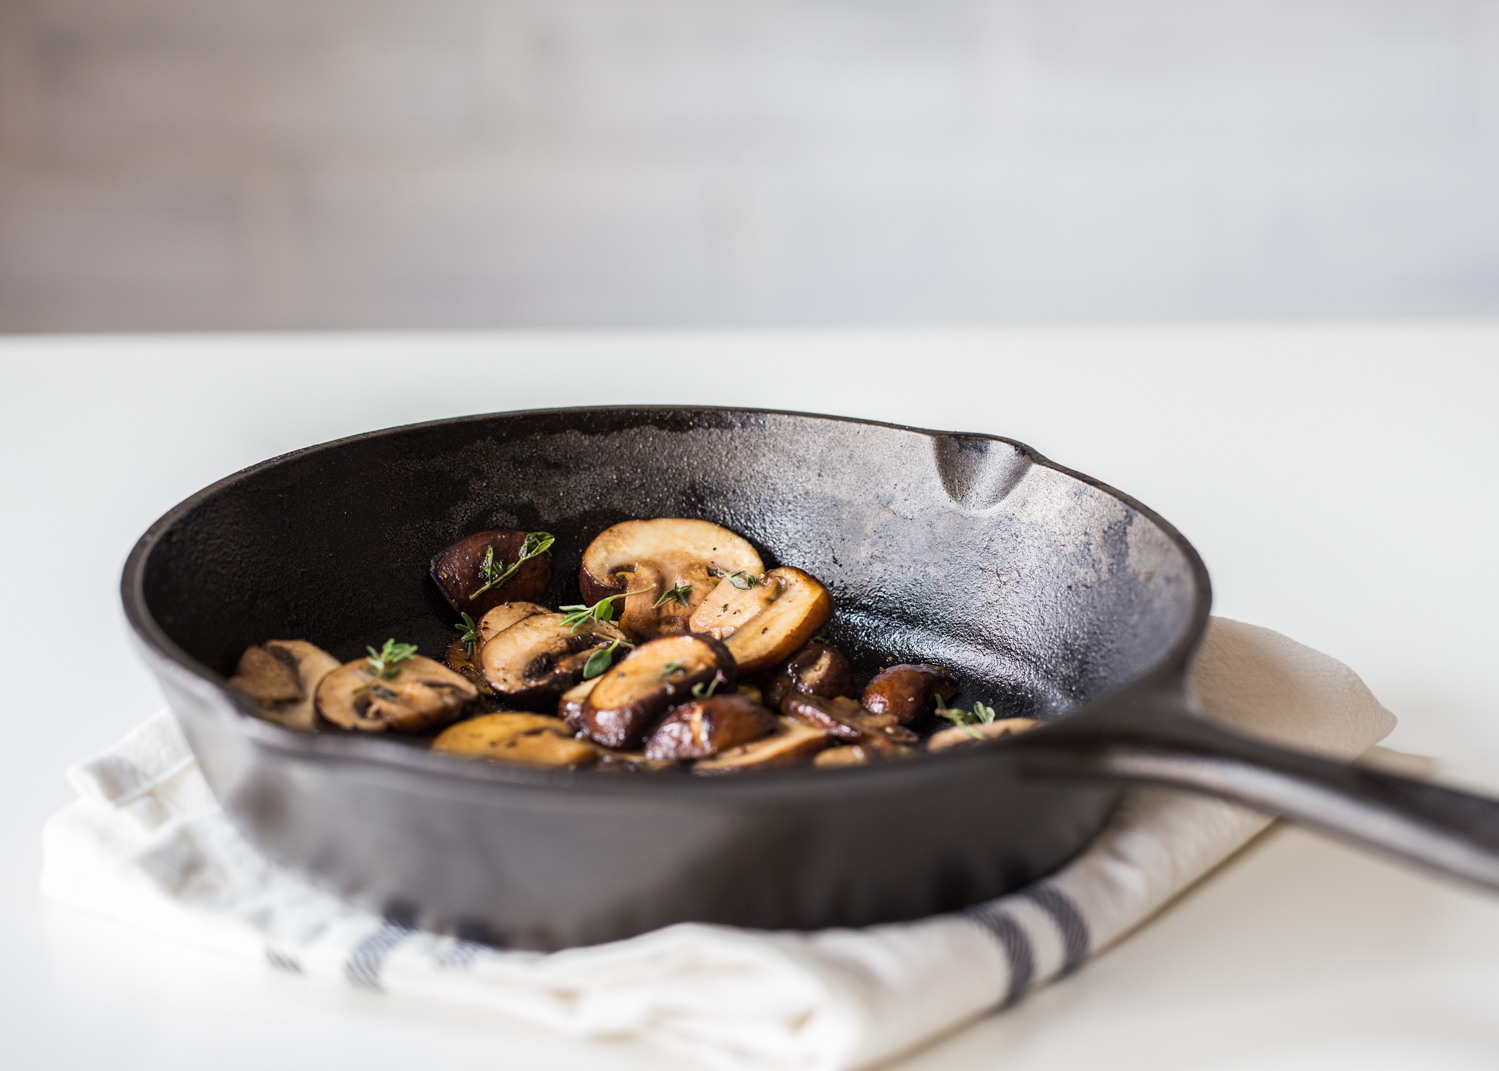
(762, 624)
(531, 739)
(816, 669)
(843, 719)
(705, 727)
(659, 556)
(455, 571)
(791, 744)
(632, 697)
(908, 692)
(538, 658)
(960, 735)
(282, 676)
(420, 694)
(461, 662)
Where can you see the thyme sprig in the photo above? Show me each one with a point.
(739, 578)
(681, 593)
(601, 659)
(705, 689)
(672, 667)
(385, 663)
(967, 719)
(578, 615)
(468, 634)
(497, 573)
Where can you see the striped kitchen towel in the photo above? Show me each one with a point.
(146, 844)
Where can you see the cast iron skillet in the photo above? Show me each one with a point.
(1049, 594)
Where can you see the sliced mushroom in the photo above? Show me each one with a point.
(419, 694)
(461, 662)
(871, 749)
(656, 557)
(908, 692)
(531, 739)
(633, 696)
(791, 744)
(843, 719)
(961, 735)
(704, 727)
(455, 571)
(764, 623)
(816, 669)
(501, 617)
(614, 760)
(570, 706)
(845, 755)
(538, 658)
(282, 677)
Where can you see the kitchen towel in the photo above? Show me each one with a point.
(146, 844)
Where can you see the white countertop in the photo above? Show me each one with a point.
(1339, 481)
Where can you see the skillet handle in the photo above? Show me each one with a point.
(1442, 829)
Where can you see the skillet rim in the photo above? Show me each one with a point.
(1168, 673)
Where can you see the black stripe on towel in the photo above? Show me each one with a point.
(281, 961)
(1076, 941)
(362, 968)
(460, 956)
(1016, 944)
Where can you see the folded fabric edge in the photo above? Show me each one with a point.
(151, 753)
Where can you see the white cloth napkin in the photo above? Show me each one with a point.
(146, 844)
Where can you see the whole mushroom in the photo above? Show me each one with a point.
(476, 572)
(908, 692)
(816, 669)
(704, 727)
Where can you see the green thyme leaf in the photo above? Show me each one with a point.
(469, 634)
(681, 593)
(704, 690)
(967, 719)
(577, 615)
(534, 545)
(671, 667)
(741, 580)
(385, 663)
(601, 659)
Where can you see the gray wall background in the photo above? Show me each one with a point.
(388, 163)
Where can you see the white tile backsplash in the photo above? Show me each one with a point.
(247, 163)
